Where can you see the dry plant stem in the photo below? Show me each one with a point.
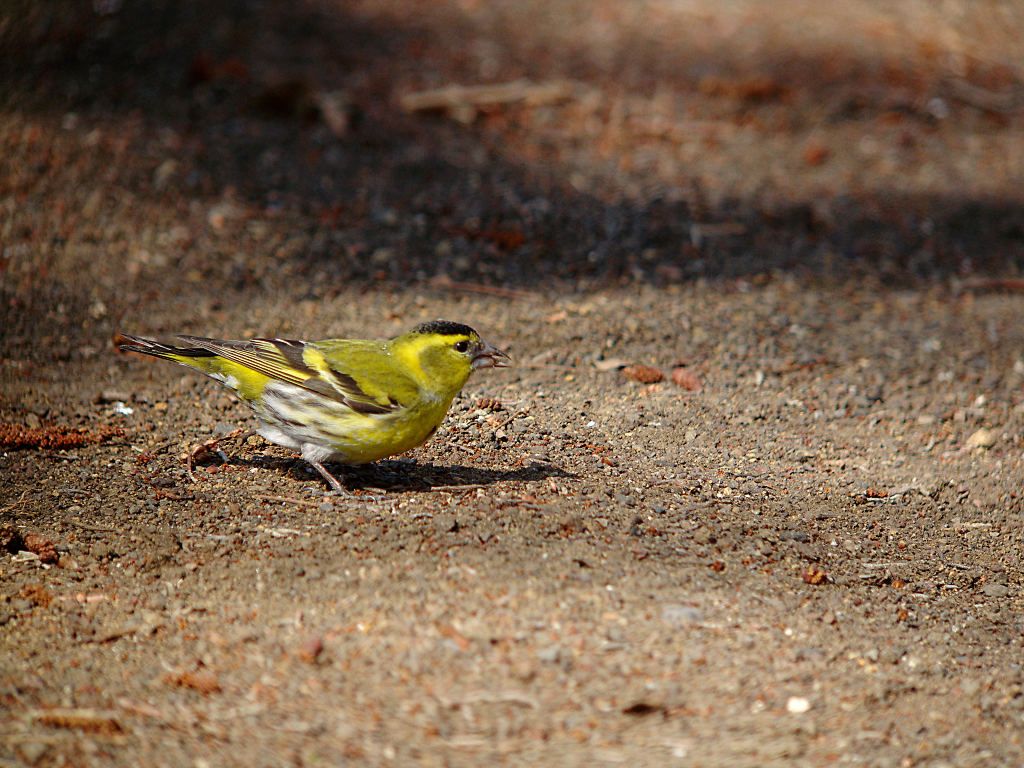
(287, 500)
(454, 97)
(19, 502)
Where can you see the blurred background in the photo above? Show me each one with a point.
(209, 154)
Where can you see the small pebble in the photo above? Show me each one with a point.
(32, 752)
(549, 655)
(981, 438)
(797, 705)
(681, 615)
(995, 590)
(625, 498)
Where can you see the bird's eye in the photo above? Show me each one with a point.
(461, 346)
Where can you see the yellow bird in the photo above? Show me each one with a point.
(350, 401)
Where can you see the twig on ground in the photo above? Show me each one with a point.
(1005, 102)
(18, 503)
(463, 101)
(286, 500)
(89, 526)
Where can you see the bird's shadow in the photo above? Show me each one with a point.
(405, 475)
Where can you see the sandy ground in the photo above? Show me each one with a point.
(800, 547)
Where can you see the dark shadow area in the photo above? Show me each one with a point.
(226, 100)
(404, 476)
(399, 476)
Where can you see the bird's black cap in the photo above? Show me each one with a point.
(445, 328)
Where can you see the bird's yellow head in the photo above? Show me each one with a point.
(446, 353)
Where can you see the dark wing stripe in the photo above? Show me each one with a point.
(346, 382)
(361, 406)
(292, 351)
(321, 387)
(356, 398)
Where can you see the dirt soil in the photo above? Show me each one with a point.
(800, 547)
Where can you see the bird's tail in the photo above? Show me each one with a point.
(183, 355)
(203, 355)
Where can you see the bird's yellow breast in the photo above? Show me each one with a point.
(360, 438)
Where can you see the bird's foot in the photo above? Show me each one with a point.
(337, 489)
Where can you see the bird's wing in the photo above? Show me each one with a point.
(302, 364)
(365, 371)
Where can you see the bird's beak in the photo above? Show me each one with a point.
(490, 357)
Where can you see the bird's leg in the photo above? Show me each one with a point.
(207, 447)
(327, 475)
(337, 487)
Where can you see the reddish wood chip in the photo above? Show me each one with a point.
(92, 720)
(814, 576)
(41, 546)
(645, 374)
(687, 379)
(816, 154)
(54, 436)
(311, 649)
(204, 682)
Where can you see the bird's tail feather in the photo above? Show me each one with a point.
(128, 343)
